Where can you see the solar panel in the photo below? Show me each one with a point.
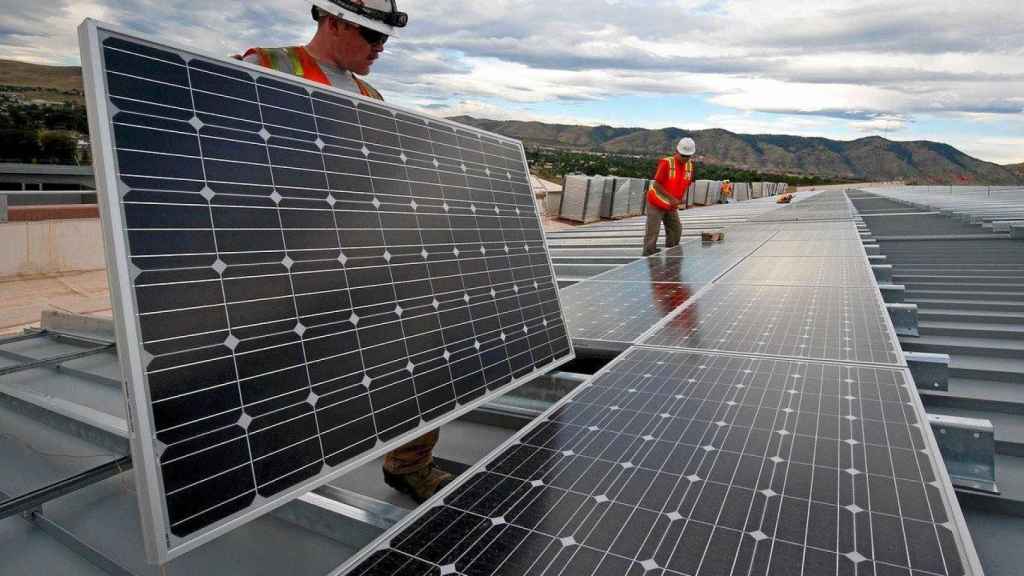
(302, 278)
(683, 463)
(826, 323)
(842, 248)
(618, 311)
(694, 264)
(818, 235)
(801, 271)
(827, 205)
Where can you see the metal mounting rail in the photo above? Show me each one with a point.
(55, 360)
(36, 517)
(36, 498)
(22, 337)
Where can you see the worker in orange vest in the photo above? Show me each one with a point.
(726, 194)
(350, 36)
(667, 195)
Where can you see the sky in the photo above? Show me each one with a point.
(908, 70)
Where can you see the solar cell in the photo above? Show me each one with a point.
(684, 463)
(828, 323)
(302, 278)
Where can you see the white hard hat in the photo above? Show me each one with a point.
(686, 147)
(380, 15)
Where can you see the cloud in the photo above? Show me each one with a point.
(845, 66)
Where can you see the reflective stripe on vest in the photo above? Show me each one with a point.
(662, 201)
(297, 60)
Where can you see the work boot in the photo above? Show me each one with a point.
(421, 484)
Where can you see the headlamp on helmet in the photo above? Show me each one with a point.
(392, 17)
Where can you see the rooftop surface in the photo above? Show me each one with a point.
(67, 417)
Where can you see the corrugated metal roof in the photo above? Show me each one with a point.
(968, 284)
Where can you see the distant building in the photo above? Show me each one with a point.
(15, 176)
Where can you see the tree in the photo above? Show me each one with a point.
(19, 144)
(59, 147)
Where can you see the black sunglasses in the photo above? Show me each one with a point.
(372, 36)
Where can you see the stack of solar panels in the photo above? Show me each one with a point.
(714, 192)
(615, 198)
(302, 278)
(581, 198)
(637, 196)
(742, 192)
(699, 194)
(553, 203)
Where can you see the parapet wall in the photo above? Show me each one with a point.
(50, 247)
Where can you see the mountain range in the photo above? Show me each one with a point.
(870, 158)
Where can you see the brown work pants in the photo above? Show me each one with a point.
(673, 228)
(412, 456)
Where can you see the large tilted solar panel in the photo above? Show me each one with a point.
(813, 322)
(302, 279)
(675, 463)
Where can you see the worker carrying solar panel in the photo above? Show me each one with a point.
(349, 38)
(667, 194)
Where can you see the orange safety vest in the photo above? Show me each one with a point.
(675, 185)
(296, 60)
(727, 189)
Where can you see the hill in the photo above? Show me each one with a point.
(871, 158)
(37, 82)
(1016, 168)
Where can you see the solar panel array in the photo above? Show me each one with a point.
(674, 462)
(304, 278)
(748, 449)
(613, 309)
(826, 323)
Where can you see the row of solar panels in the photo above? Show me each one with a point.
(767, 426)
(588, 199)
